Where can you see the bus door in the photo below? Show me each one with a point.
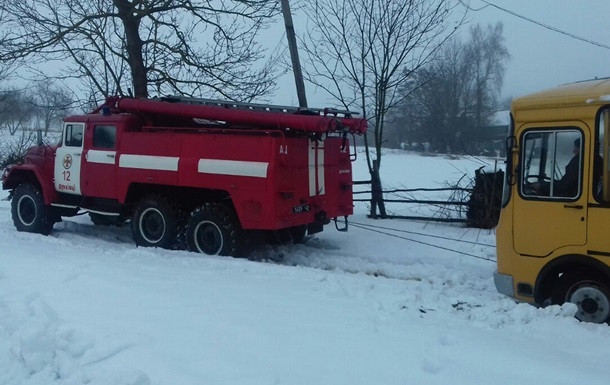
(598, 242)
(550, 209)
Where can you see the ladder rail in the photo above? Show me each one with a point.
(237, 114)
(258, 107)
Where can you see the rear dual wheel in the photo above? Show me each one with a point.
(211, 229)
(155, 223)
(214, 229)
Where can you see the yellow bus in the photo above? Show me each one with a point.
(553, 237)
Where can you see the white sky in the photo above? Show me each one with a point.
(540, 58)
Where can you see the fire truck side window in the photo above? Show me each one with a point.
(104, 137)
(74, 135)
(551, 163)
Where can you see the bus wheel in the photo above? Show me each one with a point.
(154, 223)
(588, 292)
(214, 229)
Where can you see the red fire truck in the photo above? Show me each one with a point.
(202, 171)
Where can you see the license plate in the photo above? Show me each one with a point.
(301, 209)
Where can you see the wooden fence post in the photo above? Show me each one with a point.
(377, 193)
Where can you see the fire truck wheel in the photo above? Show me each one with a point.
(587, 291)
(29, 211)
(154, 223)
(214, 229)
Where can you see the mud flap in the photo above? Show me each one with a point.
(344, 228)
(315, 227)
(10, 196)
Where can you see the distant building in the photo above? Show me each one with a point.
(493, 137)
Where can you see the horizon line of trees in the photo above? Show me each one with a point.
(450, 103)
(41, 106)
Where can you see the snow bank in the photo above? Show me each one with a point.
(36, 347)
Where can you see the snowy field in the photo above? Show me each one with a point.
(406, 304)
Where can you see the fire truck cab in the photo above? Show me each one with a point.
(195, 171)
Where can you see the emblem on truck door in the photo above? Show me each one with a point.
(67, 161)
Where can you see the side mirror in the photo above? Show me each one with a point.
(39, 137)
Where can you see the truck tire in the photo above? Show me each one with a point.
(588, 291)
(29, 211)
(214, 229)
(155, 223)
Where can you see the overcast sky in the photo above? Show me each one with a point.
(540, 58)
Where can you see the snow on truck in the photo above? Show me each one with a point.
(195, 171)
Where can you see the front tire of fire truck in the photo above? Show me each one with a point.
(588, 291)
(155, 223)
(214, 229)
(29, 211)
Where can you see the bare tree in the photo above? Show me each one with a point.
(14, 146)
(51, 104)
(362, 51)
(487, 55)
(181, 46)
(16, 110)
(456, 94)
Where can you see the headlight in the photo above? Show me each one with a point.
(5, 173)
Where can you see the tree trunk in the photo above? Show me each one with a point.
(131, 25)
(377, 193)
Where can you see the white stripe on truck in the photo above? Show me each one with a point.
(100, 156)
(233, 167)
(149, 162)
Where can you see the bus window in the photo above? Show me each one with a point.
(551, 164)
(601, 180)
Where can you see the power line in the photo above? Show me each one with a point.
(549, 27)
(422, 234)
(472, 9)
(422, 243)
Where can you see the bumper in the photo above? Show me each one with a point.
(504, 284)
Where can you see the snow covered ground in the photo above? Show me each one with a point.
(85, 306)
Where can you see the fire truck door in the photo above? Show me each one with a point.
(68, 159)
(99, 163)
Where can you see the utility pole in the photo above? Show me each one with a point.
(294, 54)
